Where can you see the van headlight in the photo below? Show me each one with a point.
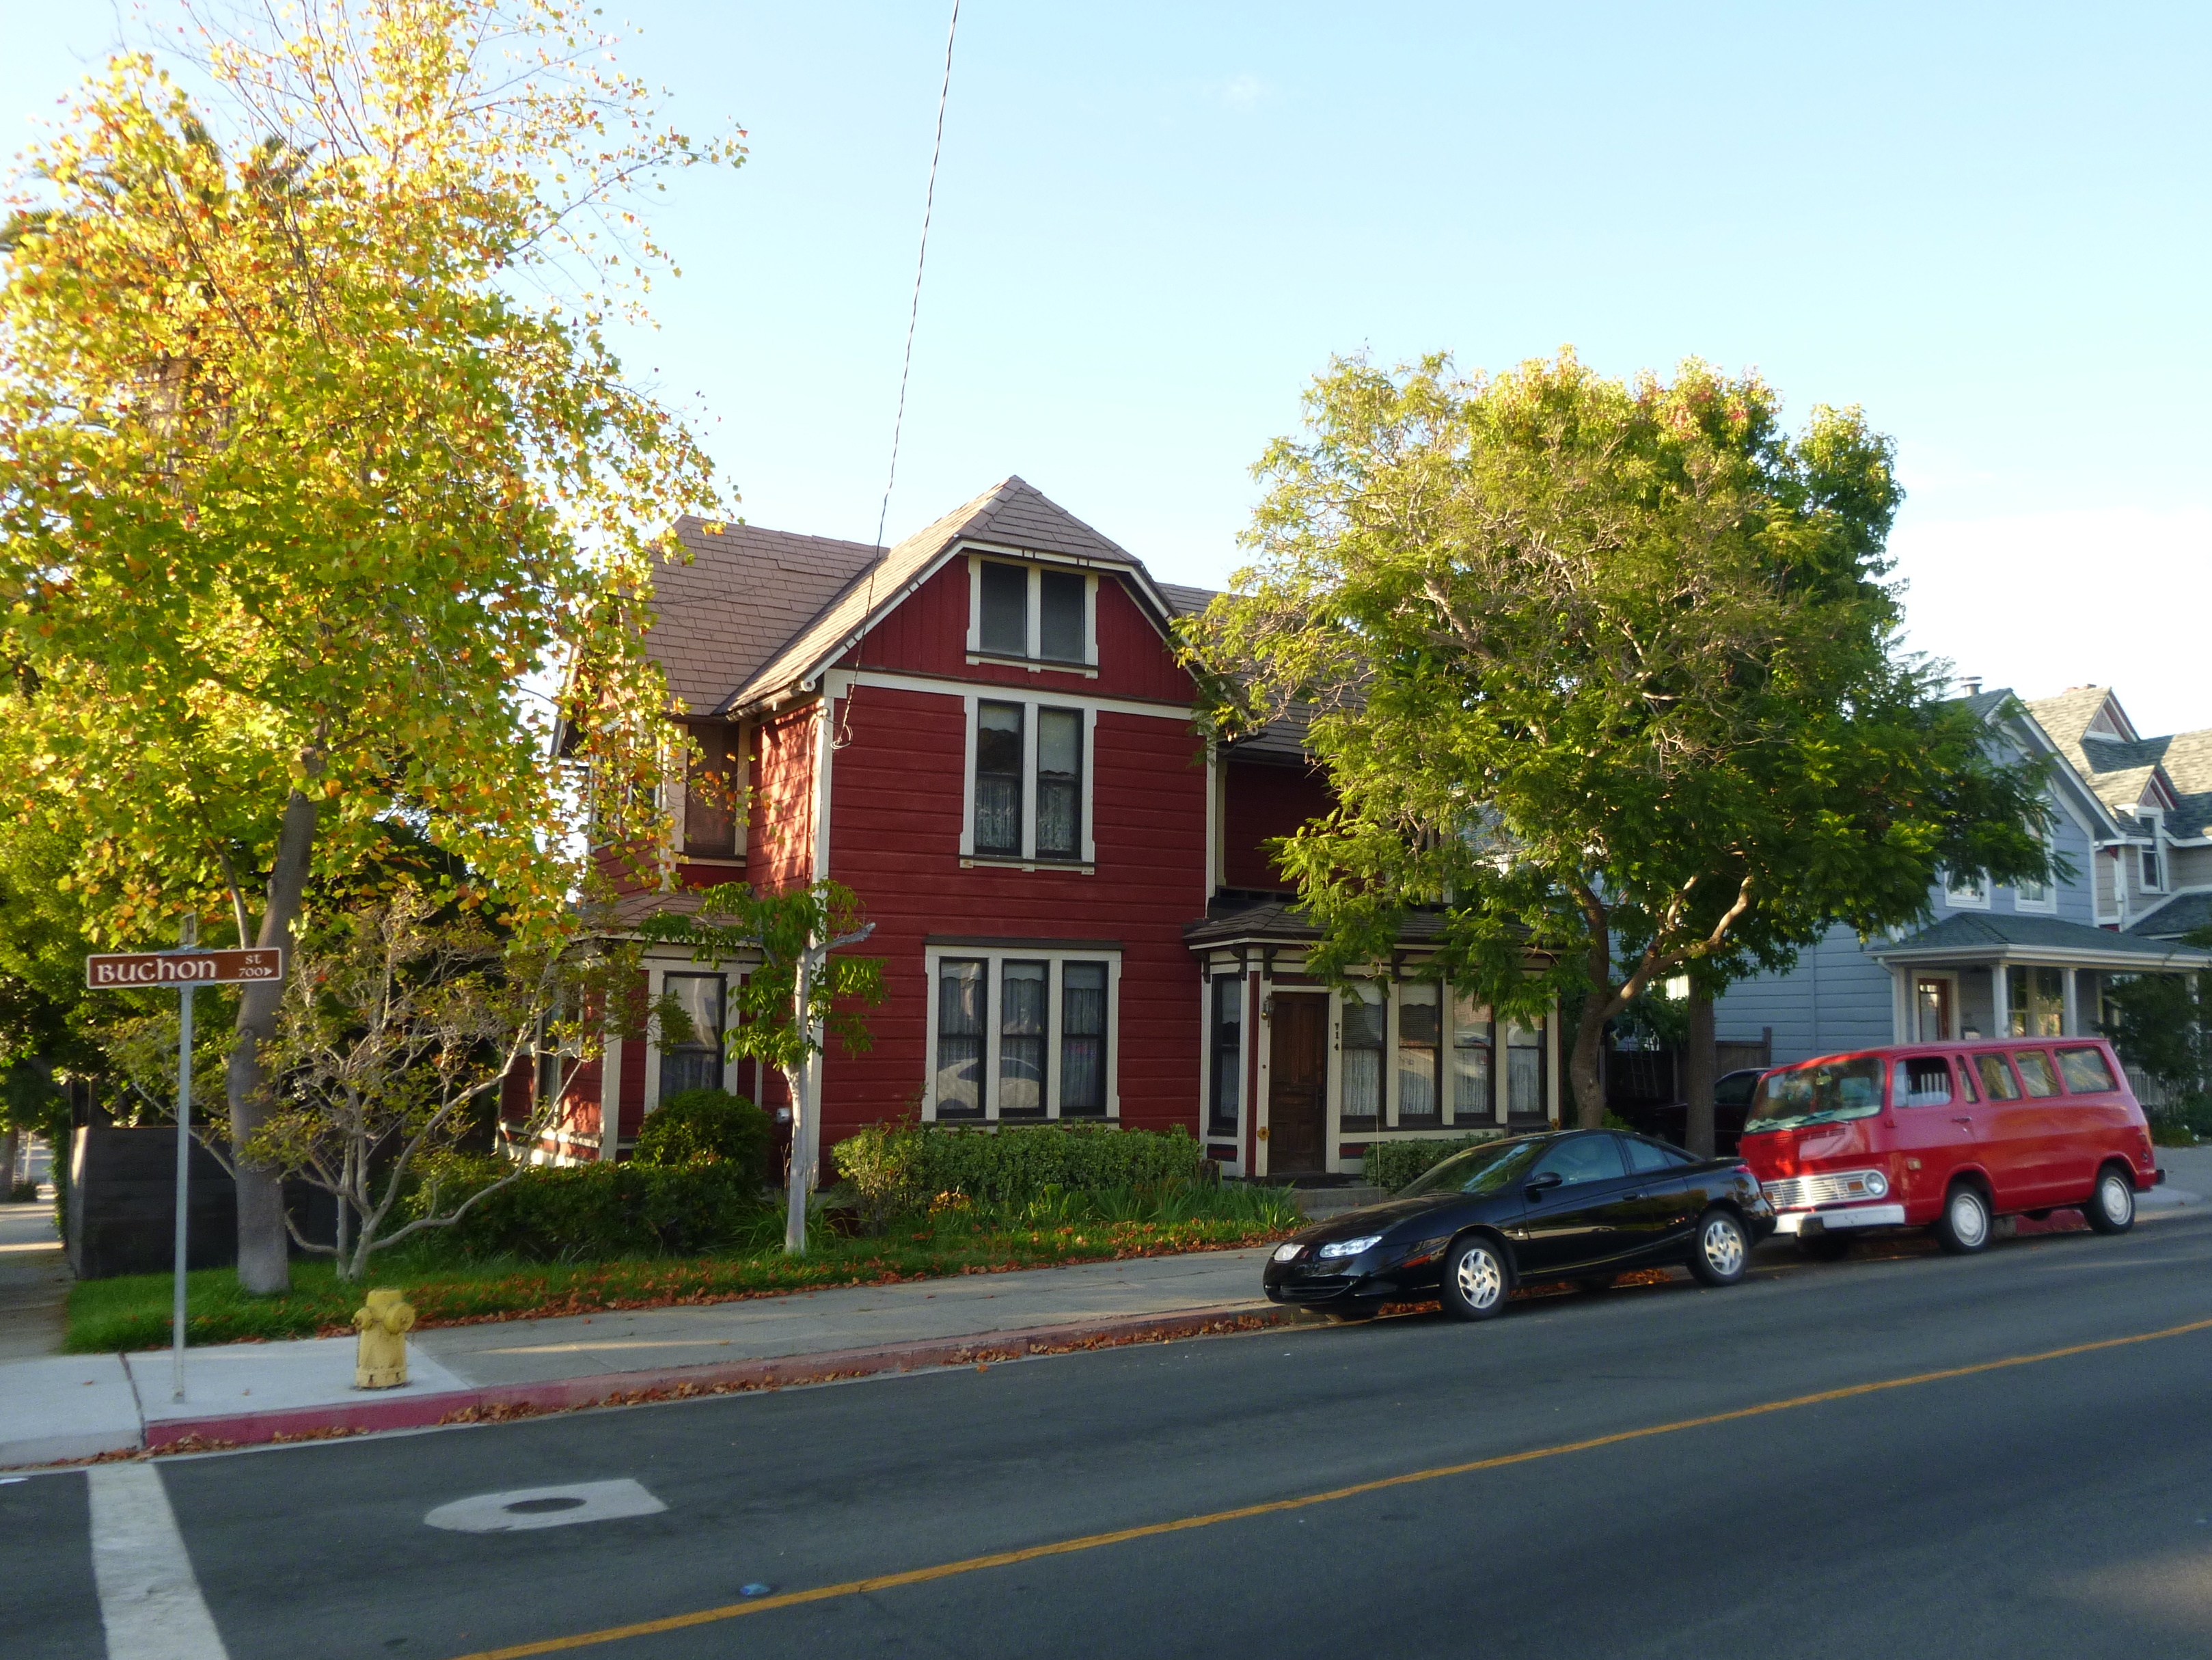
(1876, 1184)
(1349, 1247)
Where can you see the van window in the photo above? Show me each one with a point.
(1922, 1080)
(1818, 1091)
(2085, 1071)
(2035, 1071)
(1967, 1081)
(1997, 1078)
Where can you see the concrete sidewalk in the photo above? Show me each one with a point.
(82, 1405)
(34, 1282)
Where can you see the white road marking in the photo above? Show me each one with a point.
(149, 1601)
(545, 1507)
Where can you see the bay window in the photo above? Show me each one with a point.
(1419, 1056)
(1362, 1045)
(1474, 1085)
(1225, 1093)
(691, 1057)
(1021, 1034)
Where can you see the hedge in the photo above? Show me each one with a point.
(591, 1212)
(708, 1126)
(901, 1166)
(1391, 1165)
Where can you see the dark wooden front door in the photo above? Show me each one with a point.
(1297, 1086)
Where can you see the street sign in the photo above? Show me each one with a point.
(187, 969)
(149, 970)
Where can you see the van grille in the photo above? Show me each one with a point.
(1796, 1192)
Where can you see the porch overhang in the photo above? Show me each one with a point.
(2000, 941)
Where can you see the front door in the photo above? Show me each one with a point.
(1298, 1085)
(1932, 1002)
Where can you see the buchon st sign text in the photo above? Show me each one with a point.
(135, 971)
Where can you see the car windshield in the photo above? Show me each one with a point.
(1820, 1092)
(1479, 1170)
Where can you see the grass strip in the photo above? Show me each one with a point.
(132, 1311)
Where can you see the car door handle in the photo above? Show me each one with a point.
(1637, 1195)
(1961, 1119)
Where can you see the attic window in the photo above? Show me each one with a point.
(1032, 611)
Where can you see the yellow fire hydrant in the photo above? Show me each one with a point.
(381, 1361)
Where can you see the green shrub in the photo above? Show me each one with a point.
(899, 1167)
(708, 1126)
(1391, 1165)
(591, 1212)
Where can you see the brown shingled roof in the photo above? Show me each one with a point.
(1011, 514)
(746, 592)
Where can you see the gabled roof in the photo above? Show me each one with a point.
(1012, 514)
(719, 619)
(2176, 771)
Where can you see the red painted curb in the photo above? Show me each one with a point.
(492, 1402)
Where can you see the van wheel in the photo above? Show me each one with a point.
(1825, 1247)
(1476, 1279)
(1964, 1226)
(2112, 1207)
(1719, 1253)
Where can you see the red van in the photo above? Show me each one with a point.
(1949, 1136)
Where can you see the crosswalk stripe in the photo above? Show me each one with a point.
(149, 1601)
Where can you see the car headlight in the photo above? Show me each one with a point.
(1288, 1253)
(1349, 1247)
(1876, 1183)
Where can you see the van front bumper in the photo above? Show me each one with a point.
(1842, 1218)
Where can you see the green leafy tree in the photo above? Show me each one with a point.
(2162, 1023)
(315, 459)
(1606, 673)
(791, 1004)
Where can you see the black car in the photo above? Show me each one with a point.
(1669, 1121)
(1568, 1205)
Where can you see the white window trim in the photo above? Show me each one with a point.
(2153, 842)
(2048, 905)
(1032, 634)
(1030, 702)
(992, 957)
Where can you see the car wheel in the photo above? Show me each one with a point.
(1476, 1280)
(1964, 1227)
(2112, 1207)
(1825, 1247)
(1718, 1252)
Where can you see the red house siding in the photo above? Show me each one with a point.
(896, 795)
(928, 634)
(780, 833)
(1263, 802)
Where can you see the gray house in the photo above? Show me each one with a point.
(2034, 960)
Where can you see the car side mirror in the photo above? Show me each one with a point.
(1544, 1182)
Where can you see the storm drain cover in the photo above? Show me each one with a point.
(545, 1507)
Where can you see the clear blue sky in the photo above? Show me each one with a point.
(1986, 224)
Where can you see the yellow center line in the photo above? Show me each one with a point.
(1276, 1506)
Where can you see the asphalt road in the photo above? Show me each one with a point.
(2060, 1506)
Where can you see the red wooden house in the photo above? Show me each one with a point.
(983, 732)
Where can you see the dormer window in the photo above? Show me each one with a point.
(2153, 856)
(1037, 612)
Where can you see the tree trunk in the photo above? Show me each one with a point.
(9, 1146)
(265, 1267)
(1583, 1062)
(1699, 1065)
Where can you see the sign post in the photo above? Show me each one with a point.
(188, 968)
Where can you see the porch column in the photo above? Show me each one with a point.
(2000, 1005)
(1901, 1008)
(2071, 1025)
(610, 1098)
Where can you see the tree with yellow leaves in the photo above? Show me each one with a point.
(323, 503)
